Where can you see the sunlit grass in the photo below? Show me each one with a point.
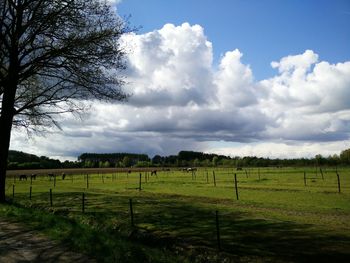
(274, 205)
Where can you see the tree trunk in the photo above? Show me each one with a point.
(6, 118)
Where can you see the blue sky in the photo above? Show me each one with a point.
(259, 78)
(263, 31)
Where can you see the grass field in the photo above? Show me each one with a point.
(277, 216)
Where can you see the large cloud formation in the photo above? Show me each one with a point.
(182, 101)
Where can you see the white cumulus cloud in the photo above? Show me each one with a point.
(182, 101)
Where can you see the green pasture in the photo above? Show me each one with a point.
(277, 216)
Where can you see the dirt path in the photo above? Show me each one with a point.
(18, 244)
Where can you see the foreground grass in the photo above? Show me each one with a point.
(276, 219)
(82, 234)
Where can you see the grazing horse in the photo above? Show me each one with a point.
(22, 177)
(63, 176)
(191, 169)
(153, 172)
(33, 177)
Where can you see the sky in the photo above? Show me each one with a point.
(260, 78)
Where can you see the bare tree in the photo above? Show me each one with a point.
(53, 55)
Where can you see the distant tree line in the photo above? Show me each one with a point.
(21, 160)
(105, 160)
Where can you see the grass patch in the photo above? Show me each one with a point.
(277, 218)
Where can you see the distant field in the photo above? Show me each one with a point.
(277, 216)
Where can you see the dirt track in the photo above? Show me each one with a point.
(17, 244)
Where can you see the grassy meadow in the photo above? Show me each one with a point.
(279, 215)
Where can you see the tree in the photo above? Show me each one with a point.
(345, 156)
(55, 55)
(127, 161)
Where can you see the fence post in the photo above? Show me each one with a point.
(30, 193)
(131, 213)
(214, 178)
(207, 178)
(304, 178)
(54, 181)
(338, 183)
(83, 203)
(50, 197)
(13, 191)
(87, 181)
(321, 173)
(103, 179)
(140, 182)
(236, 186)
(217, 229)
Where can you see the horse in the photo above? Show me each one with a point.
(22, 177)
(33, 177)
(153, 172)
(63, 176)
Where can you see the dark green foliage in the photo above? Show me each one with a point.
(345, 156)
(20, 160)
(113, 158)
(22, 157)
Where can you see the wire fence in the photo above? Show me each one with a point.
(204, 225)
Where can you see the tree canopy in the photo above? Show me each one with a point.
(54, 55)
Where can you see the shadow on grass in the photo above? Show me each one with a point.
(184, 226)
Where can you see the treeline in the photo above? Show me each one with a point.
(21, 160)
(105, 160)
(200, 159)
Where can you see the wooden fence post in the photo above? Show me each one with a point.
(338, 183)
(217, 229)
(131, 213)
(54, 181)
(50, 197)
(236, 186)
(321, 173)
(87, 181)
(214, 178)
(140, 182)
(304, 178)
(13, 191)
